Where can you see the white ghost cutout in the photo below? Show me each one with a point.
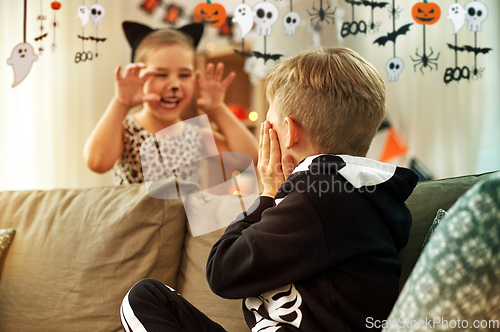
(83, 14)
(266, 15)
(456, 14)
(21, 60)
(394, 67)
(97, 12)
(291, 21)
(243, 15)
(475, 14)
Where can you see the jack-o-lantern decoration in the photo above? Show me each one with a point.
(55, 5)
(426, 13)
(212, 14)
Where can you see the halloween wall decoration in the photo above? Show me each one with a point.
(243, 16)
(354, 27)
(172, 14)
(212, 14)
(425, 13)
(226, 29)
(395, 65)
(55, 5)
(22, 56)
(266, 15)
(95, 14)
(42, 35)
(374, 26)
(321, 14)
(291, 21)
(150, 5)
(474, 13)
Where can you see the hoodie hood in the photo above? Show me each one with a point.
(385, 186)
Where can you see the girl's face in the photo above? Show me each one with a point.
(174, 82)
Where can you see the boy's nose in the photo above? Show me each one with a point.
(175, 89)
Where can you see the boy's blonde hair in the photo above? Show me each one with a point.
(161, 38)
(335, 95)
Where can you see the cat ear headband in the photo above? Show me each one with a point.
(135, 33)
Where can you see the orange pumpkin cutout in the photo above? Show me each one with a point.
(426, 13)
(212, 14)
(55, 5)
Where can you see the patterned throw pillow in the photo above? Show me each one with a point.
(439, 216)
(454, 285)
(6, 236)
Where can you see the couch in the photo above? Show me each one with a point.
(76, 253)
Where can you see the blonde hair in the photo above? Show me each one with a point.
(167, 37)
(335, 95)
(162, 37)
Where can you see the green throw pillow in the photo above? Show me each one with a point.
(455, 284)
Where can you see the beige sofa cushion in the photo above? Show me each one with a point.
(76, 253)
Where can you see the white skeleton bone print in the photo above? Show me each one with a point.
(279, 303)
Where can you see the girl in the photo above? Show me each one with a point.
(164, 80)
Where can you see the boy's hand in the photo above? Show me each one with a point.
(129, 86)
(273, 169)
(212, 89)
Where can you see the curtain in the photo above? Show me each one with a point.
(46, 119)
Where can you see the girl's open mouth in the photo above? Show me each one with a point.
(169, 103)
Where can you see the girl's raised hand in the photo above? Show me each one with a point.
(212, 88)
(129, 86)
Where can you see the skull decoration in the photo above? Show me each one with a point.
(394, 67)
(97, 12)
(475, 14)
(266, 14)
(291, 21)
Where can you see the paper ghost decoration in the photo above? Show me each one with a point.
(266, 15)
(475, 14)
(83, 14)
(243, 15)
(456, 14)
(21, 61)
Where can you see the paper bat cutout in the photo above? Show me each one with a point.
(93, 38)
(373, 4)
(391, 36)
(267, 56)
(470, 49)
(355, 3)
(41, 37)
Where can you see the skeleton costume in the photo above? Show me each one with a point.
(320, 256)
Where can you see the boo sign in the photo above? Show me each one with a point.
(214, 187)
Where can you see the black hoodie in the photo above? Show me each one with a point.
(321, 255)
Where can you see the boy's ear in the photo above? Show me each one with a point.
(292, 136)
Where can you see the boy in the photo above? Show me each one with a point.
(317, 251)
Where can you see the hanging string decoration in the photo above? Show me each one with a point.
(425, 13)
(55, 5)
(244, 17)
(395, 65)
(374, 26)
(84, 15)
(42, 35)
(354, 27)
(22, 56)
(266, 15)
(322, 14)
(211, 14)
(291, 21)
(474, 13)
